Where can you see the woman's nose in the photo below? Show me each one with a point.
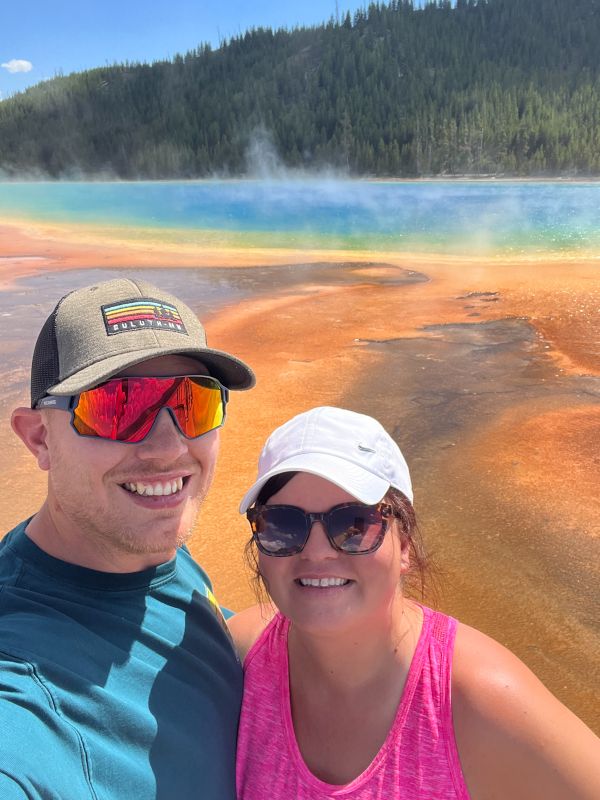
(318, 545)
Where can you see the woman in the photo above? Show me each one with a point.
(353, 690)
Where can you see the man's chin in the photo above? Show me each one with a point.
(162, 544)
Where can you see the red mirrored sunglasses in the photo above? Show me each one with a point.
(125, 409)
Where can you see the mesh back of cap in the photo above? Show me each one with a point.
(45, 370)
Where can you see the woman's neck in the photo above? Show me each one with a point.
(345, 690)
(357, 657)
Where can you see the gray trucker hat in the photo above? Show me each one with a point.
(96, 332)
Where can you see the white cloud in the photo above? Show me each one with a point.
(17, 65)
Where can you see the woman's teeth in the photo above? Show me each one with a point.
(323, 582)
(155, 489)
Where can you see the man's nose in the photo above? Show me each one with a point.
(164, 441)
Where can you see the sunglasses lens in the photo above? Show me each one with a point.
(279, 531)
(124, 409)
(356, 529)
(284, 530)
(198, 406)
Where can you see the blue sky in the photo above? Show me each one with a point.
(41, 38)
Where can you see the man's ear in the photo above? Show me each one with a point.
(29, 425)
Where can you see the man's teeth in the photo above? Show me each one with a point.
(323, 582)
(155, 489)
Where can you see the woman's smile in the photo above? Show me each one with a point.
(321, 587)
(323, 583)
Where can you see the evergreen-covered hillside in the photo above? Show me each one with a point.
(477, 87)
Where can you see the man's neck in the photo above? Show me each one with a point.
(60, 539)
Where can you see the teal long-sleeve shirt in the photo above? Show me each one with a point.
(113, 686)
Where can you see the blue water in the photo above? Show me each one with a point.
(431, 216)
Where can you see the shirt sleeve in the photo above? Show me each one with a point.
(41, 755)
(10, 789)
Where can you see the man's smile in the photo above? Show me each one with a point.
(155, 489)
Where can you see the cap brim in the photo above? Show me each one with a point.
(230, 371)
(352, 478)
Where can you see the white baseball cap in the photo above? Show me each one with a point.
(352, 450)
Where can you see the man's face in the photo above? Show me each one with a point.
(98, 489)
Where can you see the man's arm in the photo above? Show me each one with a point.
(41, 755)
(10, 789)
(515, 739)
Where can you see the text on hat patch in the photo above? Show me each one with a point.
(144, 312)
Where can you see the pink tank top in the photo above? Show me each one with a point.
(418, 760)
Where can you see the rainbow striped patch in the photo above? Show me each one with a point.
(140, 314)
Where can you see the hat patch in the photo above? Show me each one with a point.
(140, 314)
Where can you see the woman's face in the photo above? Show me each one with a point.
(362, 588)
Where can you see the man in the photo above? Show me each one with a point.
(117, 677)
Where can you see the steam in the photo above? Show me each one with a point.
(262, 159)
(281, 206)
(263, 162)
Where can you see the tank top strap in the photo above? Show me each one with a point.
(443, 634)
(443, 628)
(434, 652)
(436, 686)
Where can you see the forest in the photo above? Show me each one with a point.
(464, 88)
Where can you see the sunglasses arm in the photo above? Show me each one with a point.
(56, 401)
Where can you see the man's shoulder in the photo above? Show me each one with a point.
(10, 537)
(13, 575)
(192, 570)
(10, 560)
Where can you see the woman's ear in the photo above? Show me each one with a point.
(404, 554)
(30, 427)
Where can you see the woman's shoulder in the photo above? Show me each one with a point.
(515, 739)
(487, 678)
(247, 626)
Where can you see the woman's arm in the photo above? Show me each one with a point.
(515, 739)
(246, 626)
